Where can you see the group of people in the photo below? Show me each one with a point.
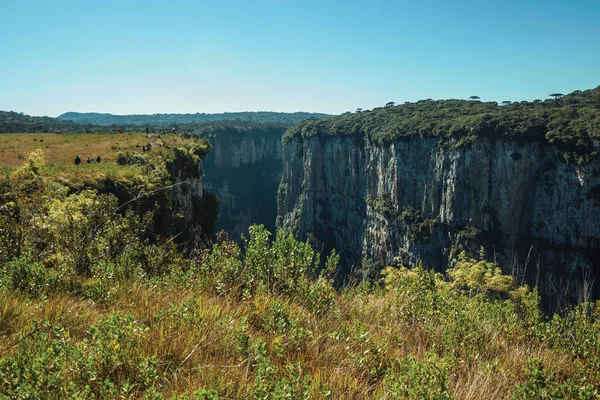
(90, 160)
(146, 147)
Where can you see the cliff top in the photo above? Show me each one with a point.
(571, 122)
(121, 155)
(237, 129)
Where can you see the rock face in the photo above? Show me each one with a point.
(187, 193)
(244, 171)
(411, 200)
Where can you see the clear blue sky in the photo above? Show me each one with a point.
(323, 56)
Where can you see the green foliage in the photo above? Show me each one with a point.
(49, 238)
(71, 232)
(126, 315)
(571, 125)
(461, 320)
(540, 385)
(22, 276)
(420, 335)
(576, 335)
(420, 380)
(185, 160)
(479, 276)
(418, 228)
(283, 267)
(468, 233)
(129, 158)
(50, 364)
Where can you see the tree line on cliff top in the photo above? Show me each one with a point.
(571, 122)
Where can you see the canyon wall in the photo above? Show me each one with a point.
(244, 170)
(416, 200)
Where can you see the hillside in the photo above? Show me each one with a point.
(12, 122)
(267, 117)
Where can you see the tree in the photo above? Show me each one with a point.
(506, 103)
(537, 101)
(556, 96)
(359, 110)
(390, 104)
(474, 98)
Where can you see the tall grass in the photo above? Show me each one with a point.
(416, 336)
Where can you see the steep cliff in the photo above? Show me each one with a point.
(407, 197)
(244, 170)
(168, 181)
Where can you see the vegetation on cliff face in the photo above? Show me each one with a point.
(571, 123)
(417, 227)
(138, 320)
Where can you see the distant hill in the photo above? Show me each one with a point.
(13, 122)
(268, 117)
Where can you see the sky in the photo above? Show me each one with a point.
(146, 57)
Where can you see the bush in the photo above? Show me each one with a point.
(24, 276)
(478, 276)
(427, 379)
(541, 385)
(283, 267)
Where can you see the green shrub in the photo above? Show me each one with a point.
(282, 267)
(427, 379)
(24, 276)
(478, 276)
(541, 385)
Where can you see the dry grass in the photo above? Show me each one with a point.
(61, 149)
(194, 335)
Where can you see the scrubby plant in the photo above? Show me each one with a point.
(540, 385)
(478, 276)
(427, 379)
(283, 267)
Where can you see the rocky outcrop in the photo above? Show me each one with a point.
(188, 193)
(244, 170)
(415, 199)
